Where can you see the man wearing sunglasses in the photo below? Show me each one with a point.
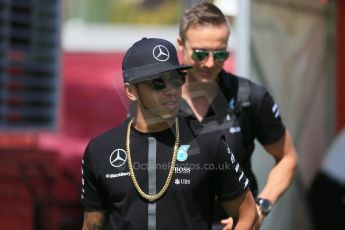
(152, 171)
(220, 100)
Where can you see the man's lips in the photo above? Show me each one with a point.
(205, 74)
(171, 103)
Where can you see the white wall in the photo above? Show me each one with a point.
(293, 56)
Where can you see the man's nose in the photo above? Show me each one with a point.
(209, 61)
(170, 88)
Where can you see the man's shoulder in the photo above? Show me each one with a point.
(229, 79)
(235, 83)
(206, 135)
(111, 135)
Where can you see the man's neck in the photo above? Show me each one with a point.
(199, 96)
(151, 125)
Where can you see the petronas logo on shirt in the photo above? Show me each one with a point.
(182, 154)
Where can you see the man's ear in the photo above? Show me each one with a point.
(179, 43)
(131, 92)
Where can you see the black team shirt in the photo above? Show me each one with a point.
(205, 167)
(261, 120)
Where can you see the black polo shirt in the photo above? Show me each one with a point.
(205, 167)
(261, 120)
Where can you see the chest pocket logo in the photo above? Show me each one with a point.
(118, 158)
(182, 154)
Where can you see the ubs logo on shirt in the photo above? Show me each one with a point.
(181, 181)
(118, 158)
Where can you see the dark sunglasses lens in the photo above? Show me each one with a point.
(178, 80)
(183, 77)
(157, 84)
(199, 55)
(221, 55)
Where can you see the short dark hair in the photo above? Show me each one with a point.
(204, 13)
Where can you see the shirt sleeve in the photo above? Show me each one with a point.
(92, 194)
(268, 123)
(229, 179)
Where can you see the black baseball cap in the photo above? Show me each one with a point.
(149, 57)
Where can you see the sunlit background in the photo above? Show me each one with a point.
(61, 84)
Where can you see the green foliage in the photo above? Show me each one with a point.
(134, 12)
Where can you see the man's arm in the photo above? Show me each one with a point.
(281, 175)
(243, 211)
(94, 220)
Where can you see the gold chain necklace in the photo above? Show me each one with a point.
(171, 171)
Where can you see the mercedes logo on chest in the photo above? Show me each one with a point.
(118, 158)
(160, 53)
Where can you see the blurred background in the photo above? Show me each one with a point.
(61, 84)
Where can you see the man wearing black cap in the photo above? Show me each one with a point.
(152, 171)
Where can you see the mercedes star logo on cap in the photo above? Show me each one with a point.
(160, 53)
(118, 158)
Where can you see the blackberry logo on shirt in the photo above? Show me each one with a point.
(118, 158)
(182, 154)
